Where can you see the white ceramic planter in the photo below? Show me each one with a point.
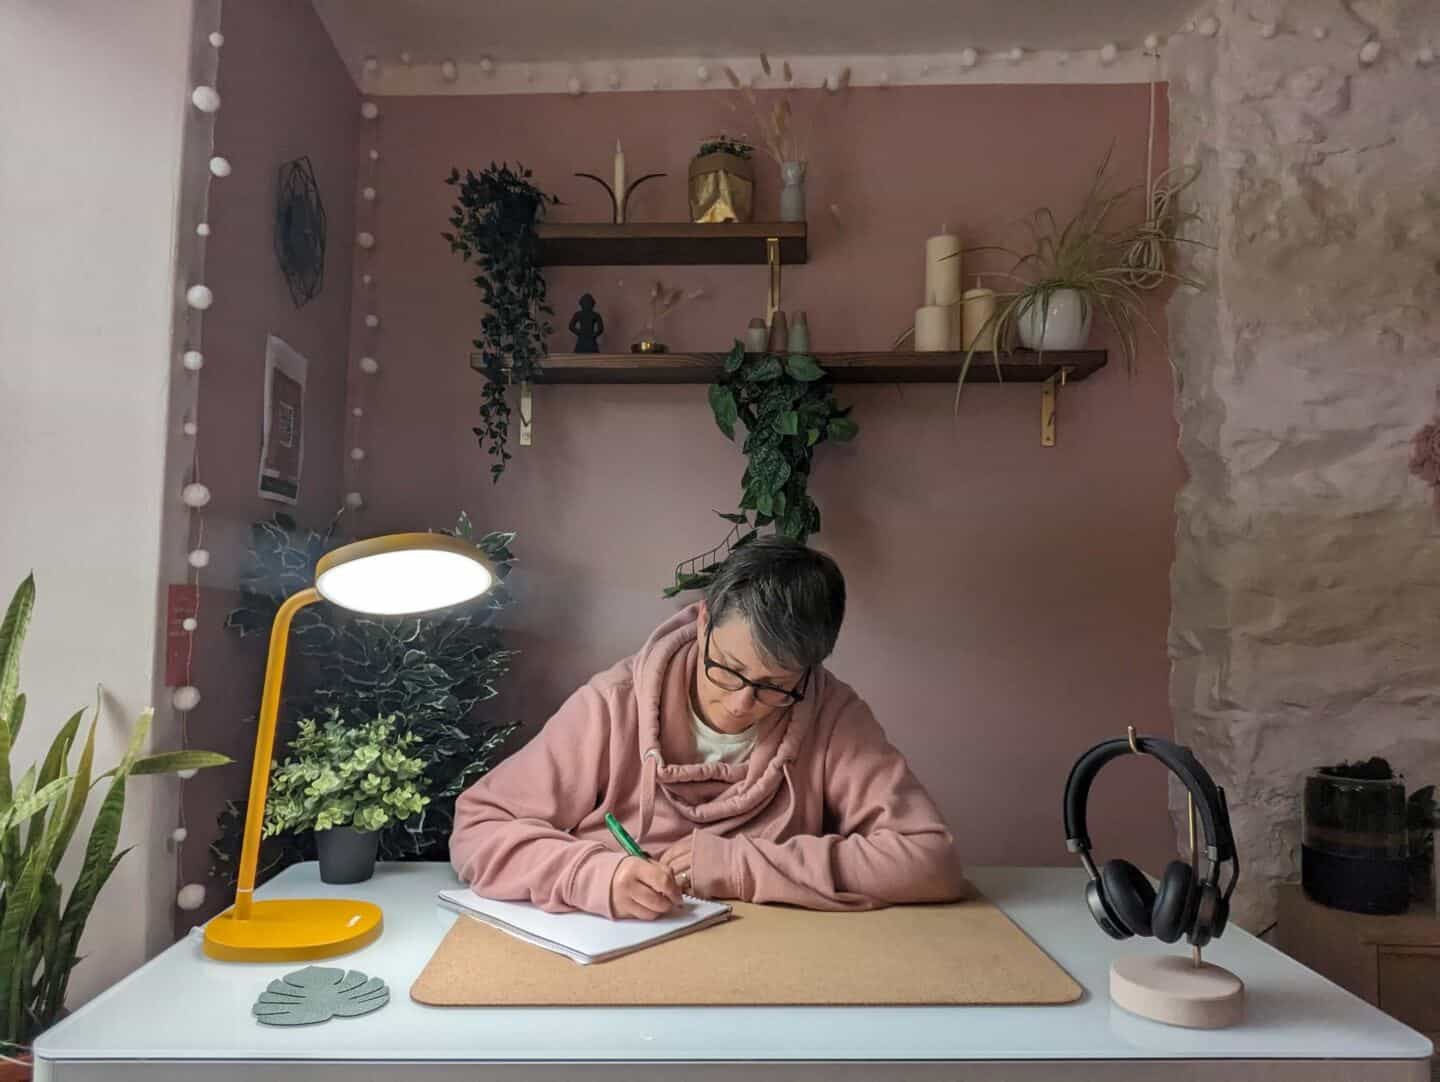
(1066, 324)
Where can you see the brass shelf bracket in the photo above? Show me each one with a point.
(1049, 393)
(772, 258)
(527, 415)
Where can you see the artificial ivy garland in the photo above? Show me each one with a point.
(787, 405)
(496, 218)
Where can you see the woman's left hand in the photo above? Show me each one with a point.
(679, 858)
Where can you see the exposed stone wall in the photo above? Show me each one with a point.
(1305, 625)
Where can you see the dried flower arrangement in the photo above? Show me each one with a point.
(782, 129)
(663, 301)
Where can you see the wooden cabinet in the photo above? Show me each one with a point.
(1392, 962)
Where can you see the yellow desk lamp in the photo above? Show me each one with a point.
(393, 575)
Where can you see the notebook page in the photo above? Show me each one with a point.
(584, 937)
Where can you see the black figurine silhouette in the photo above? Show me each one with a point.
(587, 326)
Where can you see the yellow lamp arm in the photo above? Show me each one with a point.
(265, 746)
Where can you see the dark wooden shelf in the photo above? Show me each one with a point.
(1021, 366)
(601, 244)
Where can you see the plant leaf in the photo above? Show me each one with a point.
(735, 358)
(767, 369)
(722, 404)
(803, 368)
(170, 761)
(841, 429)
(12, 637)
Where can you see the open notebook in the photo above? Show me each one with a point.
(584, 937)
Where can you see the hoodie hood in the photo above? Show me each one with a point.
(706, 793)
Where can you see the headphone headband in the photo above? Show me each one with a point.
(1209, 801)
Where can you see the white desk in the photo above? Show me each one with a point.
(186, 1017)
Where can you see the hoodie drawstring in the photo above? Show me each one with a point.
(781, 823)
(647, 790)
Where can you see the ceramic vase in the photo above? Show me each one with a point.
(1062, 323)
(792, 191)
(346, 855)
(779, 334)
(799, 334)
(757, 335)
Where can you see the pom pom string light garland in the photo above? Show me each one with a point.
(203, 168)
(371, 320)
(581, 77)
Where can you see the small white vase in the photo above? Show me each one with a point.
(1063, 323)
(792, 192)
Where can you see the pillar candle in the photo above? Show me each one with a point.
(942, 274)
(977, 308)
(933, 326)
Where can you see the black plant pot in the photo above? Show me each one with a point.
(347, 855)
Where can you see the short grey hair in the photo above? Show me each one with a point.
(792, 597)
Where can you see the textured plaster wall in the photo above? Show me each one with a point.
(1306, 588)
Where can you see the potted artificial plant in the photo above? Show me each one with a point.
(722, 181)
(40, 925)
(346, 783)
(496, 219)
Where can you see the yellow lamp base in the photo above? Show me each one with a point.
(293, 930)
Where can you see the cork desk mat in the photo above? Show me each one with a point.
(967, 953)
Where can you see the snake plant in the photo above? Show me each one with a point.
(40, 924)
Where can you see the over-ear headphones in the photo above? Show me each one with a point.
(1119, 895)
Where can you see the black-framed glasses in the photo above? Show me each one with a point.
(768, 694)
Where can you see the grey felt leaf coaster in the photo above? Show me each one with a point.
(318, 994)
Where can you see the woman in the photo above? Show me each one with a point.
(727, 750)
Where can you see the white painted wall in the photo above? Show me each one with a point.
(92, 113)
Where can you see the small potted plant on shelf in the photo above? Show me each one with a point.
(39, 815)
(346, 782)
(722, 181)
(1086, 265)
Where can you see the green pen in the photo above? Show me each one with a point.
(627, 843)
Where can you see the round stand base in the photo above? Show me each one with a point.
(1169, 988)
(293, 930)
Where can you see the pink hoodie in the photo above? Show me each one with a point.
(824, 814)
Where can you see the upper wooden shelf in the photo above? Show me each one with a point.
(601, 244)
(1021, 366)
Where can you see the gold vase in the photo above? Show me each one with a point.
(722, 188)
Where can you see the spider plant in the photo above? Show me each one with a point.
(1110, 266)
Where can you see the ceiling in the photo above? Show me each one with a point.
(541, 31)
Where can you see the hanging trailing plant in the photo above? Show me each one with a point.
(496, 215)
(788, 408)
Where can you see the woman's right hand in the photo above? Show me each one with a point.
(643, 890)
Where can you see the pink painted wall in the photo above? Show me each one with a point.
(284, 93)
(1008, 602)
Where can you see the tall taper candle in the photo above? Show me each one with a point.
(619, 183)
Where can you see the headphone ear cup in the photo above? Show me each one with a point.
(1211, 912)
(1101, 910)
(1129, 893)
(1222, 915)
(1174, 910)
